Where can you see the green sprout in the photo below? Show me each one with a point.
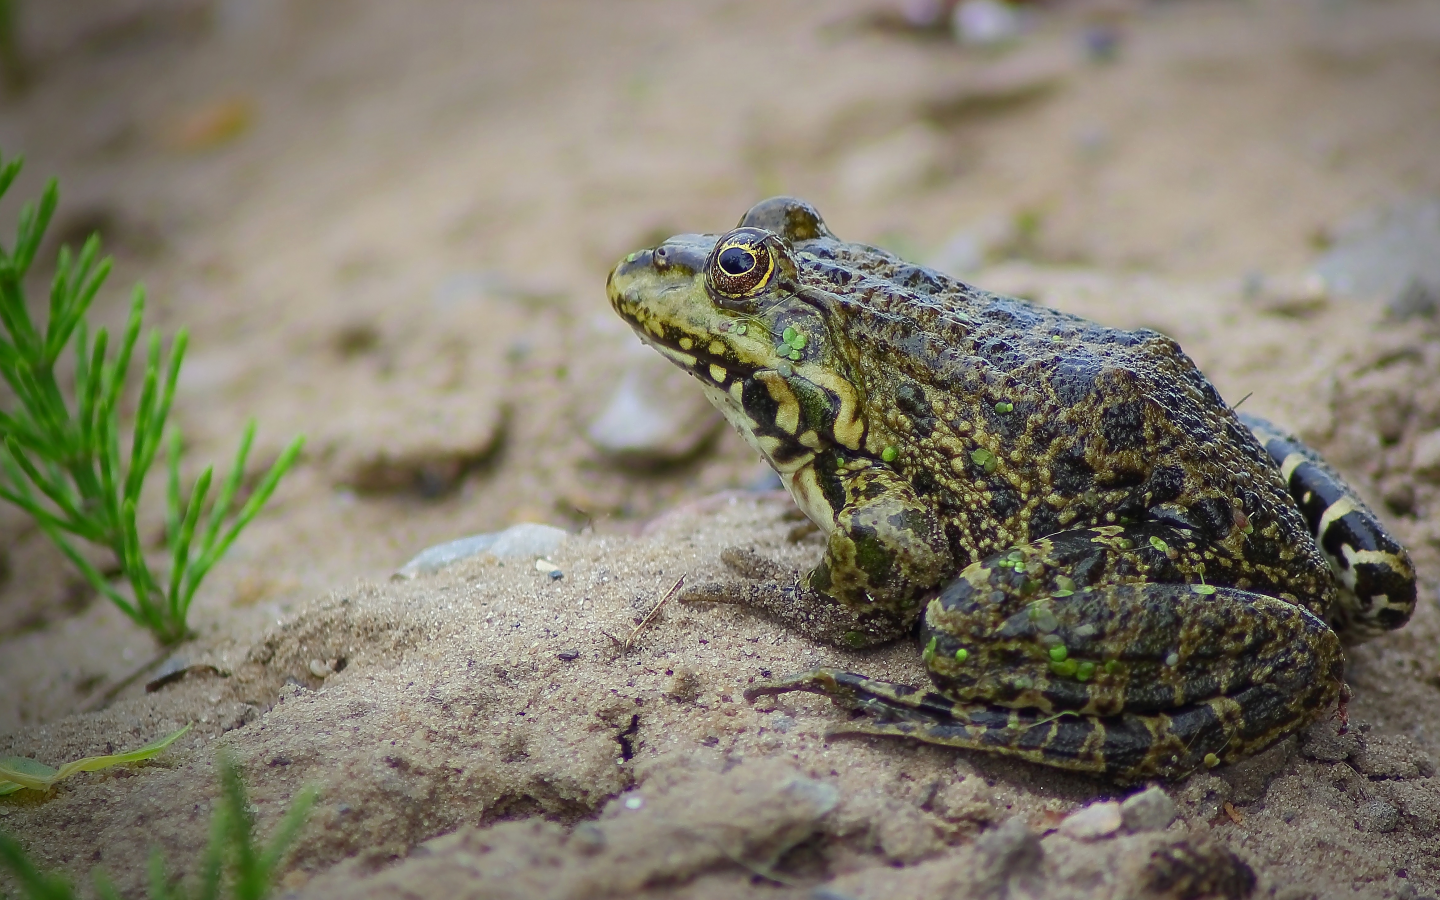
(251, 868)
(20, 772)
(60, 450)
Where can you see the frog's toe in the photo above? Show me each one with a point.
(882, 700)
(746, 563)
(803, 609)
(815, 681)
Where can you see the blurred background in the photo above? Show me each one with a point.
(388, 226)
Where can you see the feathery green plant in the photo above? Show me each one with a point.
(61, 459)
(232, 846)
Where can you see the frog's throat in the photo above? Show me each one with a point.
(793, 462)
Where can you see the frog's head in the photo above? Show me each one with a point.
(734, 312)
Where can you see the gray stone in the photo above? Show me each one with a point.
(1098, 820)
(1005, 853)
(1377, 816)
(526, 539)
(1416, 299)
(1387, 255)
(1425, 456)
(985, 23)
(654, 414)
(1149, 810)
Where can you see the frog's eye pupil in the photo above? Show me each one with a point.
(740, 267)
(736, 261)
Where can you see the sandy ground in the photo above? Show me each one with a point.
(388, 226)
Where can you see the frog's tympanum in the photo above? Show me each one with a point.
(1109, 570)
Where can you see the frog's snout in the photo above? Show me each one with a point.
(635, 262)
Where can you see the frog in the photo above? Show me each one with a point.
(1107, 569)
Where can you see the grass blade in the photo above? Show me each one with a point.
(139, 754)
(228, 487)
(172, 487)
(143, 413)
(33, 225)
(66, 468)
(37, 885)
(247, 512)
(286, 832)
(181, 550)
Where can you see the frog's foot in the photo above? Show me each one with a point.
(1377, 575)
(1124, 748)
(803, 609)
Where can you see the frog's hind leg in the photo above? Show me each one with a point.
(1125, 748)
(1375, 571)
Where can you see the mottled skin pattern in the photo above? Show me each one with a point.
(1110, 568)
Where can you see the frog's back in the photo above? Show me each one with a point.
(1021, 421)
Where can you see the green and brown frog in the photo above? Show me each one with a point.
(1110, 569)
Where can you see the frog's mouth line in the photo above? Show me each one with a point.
(697, 360)
(711, 369)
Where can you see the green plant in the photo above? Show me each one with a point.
(232, 846)
(62, 461)
(18, 772)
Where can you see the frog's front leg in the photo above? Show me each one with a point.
(1130, 679)
(884, 551)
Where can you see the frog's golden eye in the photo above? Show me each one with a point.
(741, 264)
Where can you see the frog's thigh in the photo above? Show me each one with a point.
(886, 547)
(1376, 572)
(1208, 678)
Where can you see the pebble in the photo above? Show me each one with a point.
(1425, 456)
(1415, 300)
(1102, 43)
(654, 415)
(1388, 255)
(1003, 853)
(985, 23)
(1098, 820)
(526, 539)
(1377, 816)
(1149, 810)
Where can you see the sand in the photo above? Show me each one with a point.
(390, 229)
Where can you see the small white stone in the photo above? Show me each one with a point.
(525, 539)
(1149, 810)
(634, 802)
(985, 22)
(1425, 456)
(320, 669)
(1098, 820)
(546, 566)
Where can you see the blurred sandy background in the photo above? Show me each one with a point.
(388, 226)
